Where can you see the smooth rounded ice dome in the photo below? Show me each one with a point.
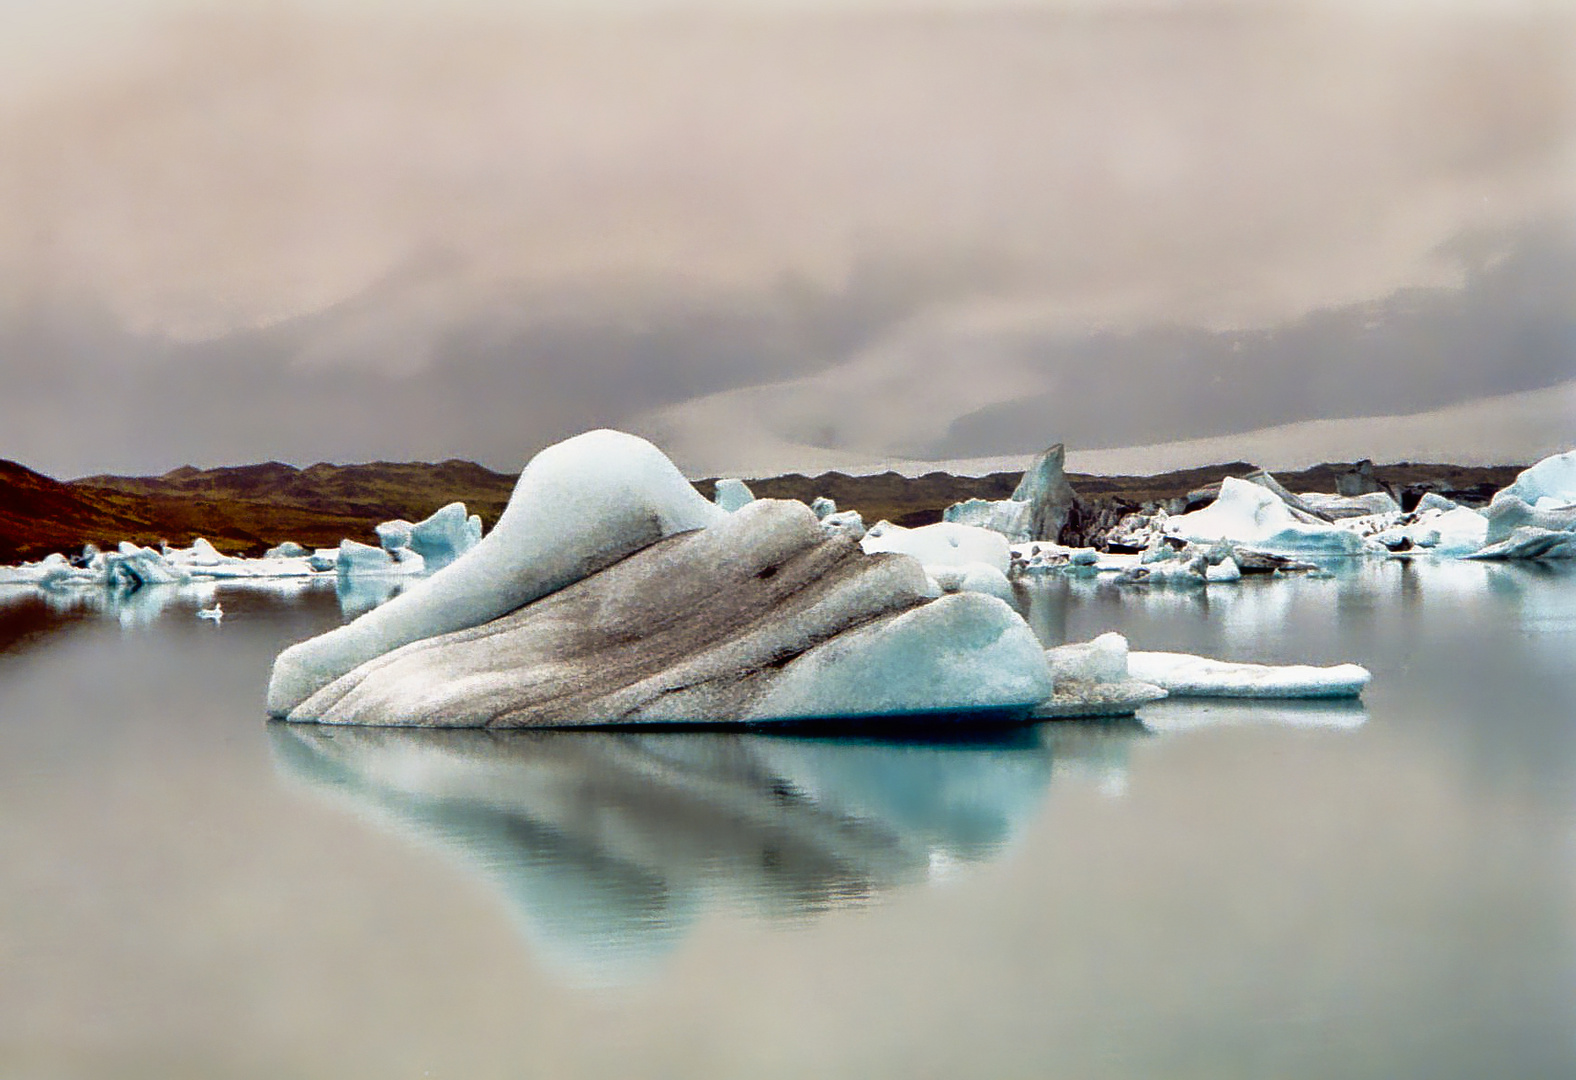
(578, 506)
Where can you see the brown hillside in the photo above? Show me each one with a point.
(246, 509)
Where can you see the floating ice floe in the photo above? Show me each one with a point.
(1185, 675)
(1092, 679)
(1251, 515)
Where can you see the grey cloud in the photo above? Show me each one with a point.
(294, 233)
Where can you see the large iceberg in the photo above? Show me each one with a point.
(578, 506)
(761, 616)
(584, 606)
(1184, 675)
(1246, 513)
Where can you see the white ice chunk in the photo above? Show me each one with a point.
(287, 550)
(393, 535)
(357, 559)
(1509, 513)
(1184, 675)
(1246, 513)
(1553, 478)
(823, 507)
(446, 535)
(578, 506)
(732, 493)
(1091, 679)
(847, 522)
(1102, 660)
(942, 544)
(965, 652)
(1012, 518)
(1225, 570)
(1531, 542)
(1456, 531)
(135, 566)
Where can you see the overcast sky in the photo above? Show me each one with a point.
(348, 230)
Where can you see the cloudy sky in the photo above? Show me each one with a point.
(769, 233)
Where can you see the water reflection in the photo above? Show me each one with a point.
(1184, 714)
(607, 846)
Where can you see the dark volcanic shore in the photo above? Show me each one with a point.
(244, 510)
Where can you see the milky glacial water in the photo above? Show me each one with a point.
(1386, 889)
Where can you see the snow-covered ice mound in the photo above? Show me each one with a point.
(1246, 513)
(578, 506)
(956, 557)
(761, 616)
(941, 544)
(1185, 675)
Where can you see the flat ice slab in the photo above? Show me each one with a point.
(1185, 675)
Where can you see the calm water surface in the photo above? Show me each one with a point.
(1376, 890)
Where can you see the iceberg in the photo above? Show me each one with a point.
(1508, 513)
(1531, 542)
(761, 616)
(357, 559)
(823, 507)
(1037, 510)
(1091, 679)
(732, 494)
(132, 567)
(1254, 516)
(846, 522)
(393, 535)
(1185, 675)
(942, 544)
(446, 535)
(578, 506)
(1454, 530)
(1551, 482)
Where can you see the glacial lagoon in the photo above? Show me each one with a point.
(1383, 888)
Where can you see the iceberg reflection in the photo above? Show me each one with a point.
(607, 846)
(1188, 714)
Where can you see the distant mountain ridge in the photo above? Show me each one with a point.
(245, 509)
